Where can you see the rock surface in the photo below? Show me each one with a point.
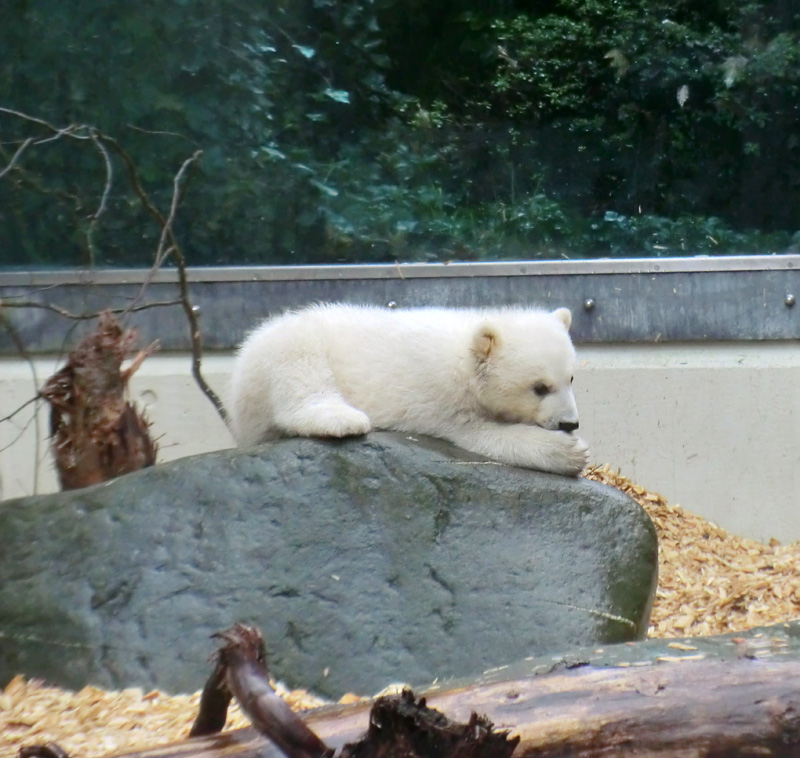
(364, 562)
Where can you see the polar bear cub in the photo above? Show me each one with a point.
(495, 382)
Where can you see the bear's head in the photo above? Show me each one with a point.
(524, 364)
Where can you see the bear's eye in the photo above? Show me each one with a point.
(541, 389)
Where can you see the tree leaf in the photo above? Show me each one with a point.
(339, 95)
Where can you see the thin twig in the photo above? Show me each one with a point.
(32, 181)
(20, 345)
(162, 251)
(95, 221)
(176, 251)
(88, 316)
(21, 430)
(69, 130)
(20, 150)
(133, 176)
(22, 407)
(158, 132)
(196, 336)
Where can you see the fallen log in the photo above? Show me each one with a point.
(724, 696)
(690, 708)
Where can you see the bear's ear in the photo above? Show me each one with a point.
(485, 342)
(564, 315)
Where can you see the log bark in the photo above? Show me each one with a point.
(402, 726)
(682, 707)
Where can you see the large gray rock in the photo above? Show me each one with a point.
(364, 562)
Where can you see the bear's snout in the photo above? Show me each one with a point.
(567, 426)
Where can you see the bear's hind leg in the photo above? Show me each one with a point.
(304, 397)
(322, 415)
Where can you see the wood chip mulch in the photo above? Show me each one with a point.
(93, 723)
(710, 582)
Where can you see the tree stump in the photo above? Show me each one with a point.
(97, 434)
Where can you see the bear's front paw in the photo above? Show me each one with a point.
(575, 453)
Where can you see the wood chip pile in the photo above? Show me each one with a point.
(93, 723)
(710, 582)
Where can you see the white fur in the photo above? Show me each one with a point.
(468, 376)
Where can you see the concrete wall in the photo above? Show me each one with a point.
(714, 427)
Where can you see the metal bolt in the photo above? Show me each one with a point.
(789, 300)
(588, 304)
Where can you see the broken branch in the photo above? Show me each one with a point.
(241, 671)
(399, 725)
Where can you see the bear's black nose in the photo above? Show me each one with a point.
(567, 426)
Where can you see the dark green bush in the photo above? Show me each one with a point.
(378, 130)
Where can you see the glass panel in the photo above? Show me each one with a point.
(397, 130)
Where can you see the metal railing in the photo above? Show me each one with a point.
(613, 300)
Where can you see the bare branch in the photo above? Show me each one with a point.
(21, 430)
(195, 334)
(22, 148)
(175, 250)
(190, 310)
(135, 128)
(162, 251)
(93, 224)
(22, 407)
(167, 245)
(133, 176)
(88, 316)
(68, 130)
(32, 181)
(20, 345)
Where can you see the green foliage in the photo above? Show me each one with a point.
(378, 130)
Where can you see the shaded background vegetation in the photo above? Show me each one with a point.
(380, 130)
